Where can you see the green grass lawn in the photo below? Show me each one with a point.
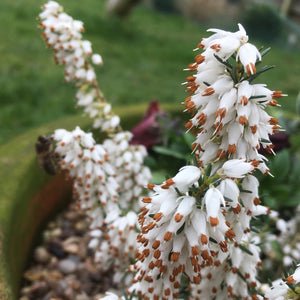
(143, 60)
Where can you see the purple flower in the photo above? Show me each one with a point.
(280, 140)
(148, 131)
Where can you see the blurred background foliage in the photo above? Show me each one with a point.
(144, 53)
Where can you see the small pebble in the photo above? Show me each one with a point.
(74, 284)
(34, 275)
(71, 248)
(56, 249)
(56, 232)
(38, 289)
(74, 258)
(67, 266)
(41, 255)
(81, 226)
(82, 297)
(96, 277)
(72, 215)
(52, 225)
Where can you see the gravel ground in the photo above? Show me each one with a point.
(62, 267)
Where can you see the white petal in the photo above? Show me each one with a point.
(187, 176)
(236, 168)
(213, 199)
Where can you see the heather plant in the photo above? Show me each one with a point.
(193, 237)
(108, 178)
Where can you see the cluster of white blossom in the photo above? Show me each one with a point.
(109, 177)
(63, 35)
(117, 247)
(89, 165)
(131, 174)
(108, 180)
(199, 225)
(198, 222)
(228, 111)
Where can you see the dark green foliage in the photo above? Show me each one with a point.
(263, 22)
(166, 6)
(283, 191)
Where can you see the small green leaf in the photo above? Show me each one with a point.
(233, 74)
(254, 229)
(201, 180)
(180, 229)
(262, 70)
(242, 276)
(265, 141)
(228, 199)
(169, 152)
(178, 192)
(195, 162)
(245, 191)
(258, 97)
(224, 62)
(213, 240)
(208, 170)
(245, 249)
(263, 53)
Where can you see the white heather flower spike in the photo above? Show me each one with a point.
(108, 178)
(64, 36)
(197, 223)
(217, 96)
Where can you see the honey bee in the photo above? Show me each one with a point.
(45, 153)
